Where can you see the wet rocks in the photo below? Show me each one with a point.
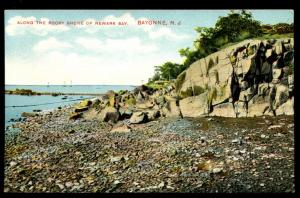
(74, 116)
(29, 114)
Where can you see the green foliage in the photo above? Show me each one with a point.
(250, 51)
(167, 71)
(130, 101)
(280, 28)
(96, 105)
(187, 93)
(228, 30)
(232, 59)
(156, 85)
(190, 92)
(27, 92)
(121, 92)
(198, 90)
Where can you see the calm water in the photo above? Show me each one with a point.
(71, 89)
(40, 101)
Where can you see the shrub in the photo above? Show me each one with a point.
(232, 59)
(130, 101)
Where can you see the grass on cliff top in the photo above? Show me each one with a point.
(264, 37)
(157, 86)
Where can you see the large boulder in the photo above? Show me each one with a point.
(194, 106)
(152, 114)
(258, 105)
(109, 114)
(81, 109)
(74, 116)
(125, 113)
(223, 110)
(282, 95)
(29, 114)
(287, 108)
(84, 103)
(241, 109)
(171, 109)
(138, 117)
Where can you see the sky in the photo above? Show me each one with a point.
(93, 54)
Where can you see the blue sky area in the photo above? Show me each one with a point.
(93, 54)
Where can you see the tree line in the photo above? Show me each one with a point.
(234, 27)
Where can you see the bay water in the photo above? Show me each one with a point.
(48, 102)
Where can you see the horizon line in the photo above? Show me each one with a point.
(68, 85)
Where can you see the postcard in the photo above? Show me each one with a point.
(149, 101)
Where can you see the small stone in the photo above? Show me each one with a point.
(235, 159)
(262, 184)
(235, 141)
(30, 183)
(68, 184)
(116, 182)
(116, 159)
(217, 170)
(291, 149)
(262, 136)
(162, 184)
(61, 186)
(274, 127)
(12, 163)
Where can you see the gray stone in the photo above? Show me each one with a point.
(153, 114)
(109, 114)
(171, 109)
(194, 106)
(287, 108)
(138, 117)
(223, 110)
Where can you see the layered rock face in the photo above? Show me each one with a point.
(251, 78)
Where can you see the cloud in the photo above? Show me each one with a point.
(127, 45)
(89, 43)
(30, 26)
(166, 33)
(51, 44)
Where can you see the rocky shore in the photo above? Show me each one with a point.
(224, 125)
(54, 153)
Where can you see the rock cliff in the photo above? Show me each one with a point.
(251, 78)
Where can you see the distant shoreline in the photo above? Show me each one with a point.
(12, 92)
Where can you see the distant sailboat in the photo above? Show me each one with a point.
(71, 84)
(64, 83)
(48, 85)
